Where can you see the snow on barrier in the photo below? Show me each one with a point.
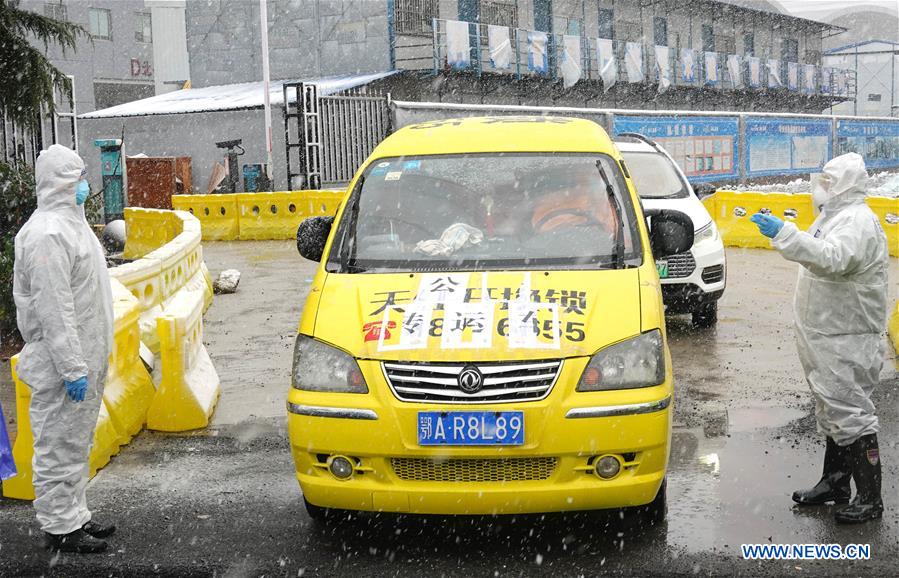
(123, 408)
(731, 211)
(894, 331)
(189, 385)
(257, 216)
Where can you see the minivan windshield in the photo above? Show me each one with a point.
(481, 211)
(654, 176)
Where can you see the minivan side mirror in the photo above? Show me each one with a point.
(670, 232)
(312, 235)
(704, 190)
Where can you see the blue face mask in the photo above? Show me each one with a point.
(82, 190)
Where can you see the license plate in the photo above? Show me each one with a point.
(471, 428)
(662, 266)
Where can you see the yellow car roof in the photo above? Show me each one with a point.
(497, 134)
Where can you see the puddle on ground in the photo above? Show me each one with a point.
(746, 419)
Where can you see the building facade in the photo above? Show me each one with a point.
(702, 54)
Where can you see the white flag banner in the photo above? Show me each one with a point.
(458, 49)
(734, 69)
(774, 80)
(537, 61)
(808, 77)
(710, 63)
(633, 61)
(570, 67)
(608, 64)
(793, 75)
(663, 67)
(755, 71)
(688, 66)
(500, 47)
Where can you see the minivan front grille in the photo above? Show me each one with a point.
(713, 274)
(499, 382)
(681, 265)
(474, 470)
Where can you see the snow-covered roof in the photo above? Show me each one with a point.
(228, 97)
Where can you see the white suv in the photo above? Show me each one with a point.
(692, 282)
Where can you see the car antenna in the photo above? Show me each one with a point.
(618, 253)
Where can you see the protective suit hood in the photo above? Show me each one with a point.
(843, 177)
(56, 172)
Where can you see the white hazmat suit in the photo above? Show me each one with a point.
(841, 300)
(64, 312)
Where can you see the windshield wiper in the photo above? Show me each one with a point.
(618, 251)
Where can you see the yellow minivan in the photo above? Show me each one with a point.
(485, 333)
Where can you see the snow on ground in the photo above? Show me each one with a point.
(884, 184)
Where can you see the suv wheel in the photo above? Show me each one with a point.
(705, 314)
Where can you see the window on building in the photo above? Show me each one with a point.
(873, 97)
(100, 23)
(414, 17)
(107, 94)
(143, 27)
(790, 50)
(500, 12)
(660, 31)
(56, 10)
(606, 26)
(708, 38)
(571, 26)
(749, 44)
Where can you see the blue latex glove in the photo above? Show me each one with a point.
(76, 389)
(769, 225)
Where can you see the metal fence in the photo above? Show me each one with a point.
(328, 137)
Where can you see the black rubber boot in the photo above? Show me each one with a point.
(98, 530)
(867, 505)
(77, 542)
(834, 483)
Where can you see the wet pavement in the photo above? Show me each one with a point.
(224, 501)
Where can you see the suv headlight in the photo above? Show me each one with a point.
(707, 233)
(320, 367)
(637, 362)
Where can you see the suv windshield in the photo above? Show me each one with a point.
(654, 176)
(486, 211)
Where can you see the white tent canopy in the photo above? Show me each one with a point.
(227, 97)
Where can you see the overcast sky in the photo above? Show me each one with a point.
(806, 7)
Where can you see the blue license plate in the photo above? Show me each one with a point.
(470, 428)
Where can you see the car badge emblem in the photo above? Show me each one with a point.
(470, 379)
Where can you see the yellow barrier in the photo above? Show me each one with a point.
(277, 215)
(887, 210)
(146, 230)
(257, 216)
(189, 386)
(20, 486)
(731, 211)
(216, 213)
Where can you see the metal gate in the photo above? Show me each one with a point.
(328, 137)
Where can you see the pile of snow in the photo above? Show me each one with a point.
(882, 184)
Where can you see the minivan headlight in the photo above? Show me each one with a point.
(707, 233)
(320, 367)
(637, 362)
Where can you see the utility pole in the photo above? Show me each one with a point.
(266, 80)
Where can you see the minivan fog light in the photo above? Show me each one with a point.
(340, 467)
(607, 467)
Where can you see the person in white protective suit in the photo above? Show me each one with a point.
(841, 313)
(64, 313)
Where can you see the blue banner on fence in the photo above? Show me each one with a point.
(786, 145)
(876, 140)
(7, 464)
(704, 147)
